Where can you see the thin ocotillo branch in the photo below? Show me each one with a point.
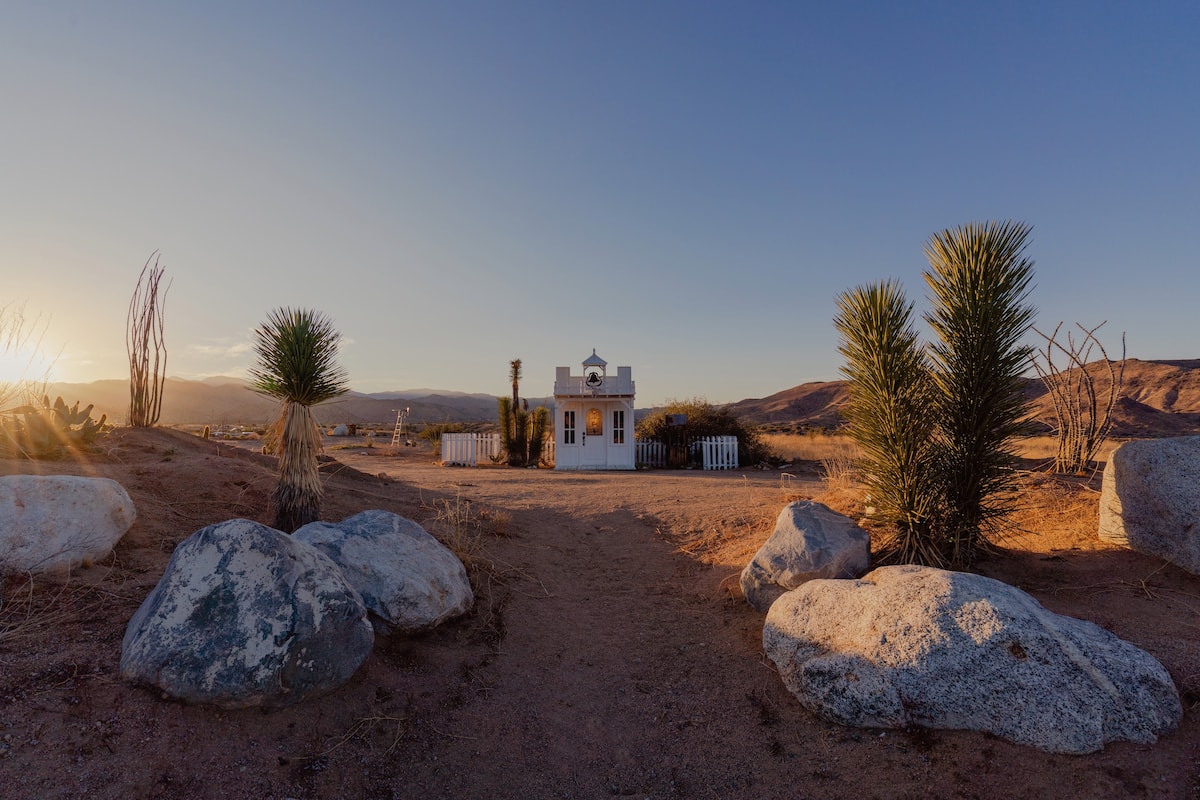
(146, 347)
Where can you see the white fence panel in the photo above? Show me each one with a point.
(460, 448)
(487, 446)
(469, 449)
(548, 450)
(650, 452)
(719, 452)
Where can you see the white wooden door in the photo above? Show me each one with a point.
(594, 450)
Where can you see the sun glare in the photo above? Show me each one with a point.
(22, 365)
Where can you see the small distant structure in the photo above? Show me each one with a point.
(593, 417)
(400, 433)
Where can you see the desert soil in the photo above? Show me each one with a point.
(610, 652)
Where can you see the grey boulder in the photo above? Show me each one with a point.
(246, 616)
(917, 646)
(51, 523)
(408, 579)
(1150, 499)
(810, 541)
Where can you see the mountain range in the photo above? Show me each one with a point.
(1159, 398)
(230, 401)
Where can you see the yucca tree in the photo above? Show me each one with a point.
(514, 373)
(889, 388)
(979, 282)
(297, 365)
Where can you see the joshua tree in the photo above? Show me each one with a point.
(297, 351)
(144, 339)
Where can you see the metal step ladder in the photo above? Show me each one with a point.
(400, 434)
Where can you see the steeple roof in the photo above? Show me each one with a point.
(594, 360)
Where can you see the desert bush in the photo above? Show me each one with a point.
(705, 419)
(432, 432)
(938, 422)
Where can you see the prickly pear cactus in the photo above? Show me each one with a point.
(45, 430)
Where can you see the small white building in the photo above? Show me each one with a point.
(593, 417)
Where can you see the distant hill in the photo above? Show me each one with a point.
(809, 405)
(227, 401)
(1159, 398)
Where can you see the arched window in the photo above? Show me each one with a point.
(595, 422)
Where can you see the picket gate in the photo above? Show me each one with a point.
(650, 453)
(719, 452)
(713, 452)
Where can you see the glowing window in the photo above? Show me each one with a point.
(618, 427)
(595, 422)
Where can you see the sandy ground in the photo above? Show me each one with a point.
(610, 652)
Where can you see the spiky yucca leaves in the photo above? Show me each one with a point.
(297, 364)
(505, 408)
(514, 374)
(979, 282)
(889, 411)
(539, 424)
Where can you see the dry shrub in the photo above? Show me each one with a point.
(1053, 512)
(34, 610)
(463, 527)
(842, 487)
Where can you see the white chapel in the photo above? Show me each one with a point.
(593, 417)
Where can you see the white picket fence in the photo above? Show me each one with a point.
(714, 452)
(468, 449)
(719, 452)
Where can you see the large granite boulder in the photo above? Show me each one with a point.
(917, 646)
(408, 580)
(58, 522)
(1150, 499)
(810, 541)
(245, 616)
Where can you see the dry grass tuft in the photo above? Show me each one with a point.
(33, 610)
(1053, 512)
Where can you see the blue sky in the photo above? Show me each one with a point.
(685, 187)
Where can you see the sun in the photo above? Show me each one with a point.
(21, 365)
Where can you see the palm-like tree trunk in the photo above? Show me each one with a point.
(297, 497)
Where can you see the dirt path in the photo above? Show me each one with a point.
(610, 654)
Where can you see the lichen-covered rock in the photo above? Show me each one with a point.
(1150, 499)
(919, 646)
(810, 541)
(408, 579)
(51, 523)
(245, 616)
